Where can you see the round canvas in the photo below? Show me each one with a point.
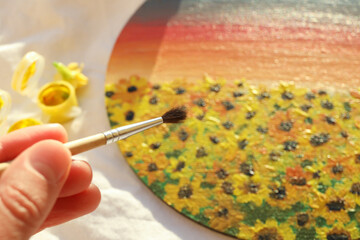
(270, 148)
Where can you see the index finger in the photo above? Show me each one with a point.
(15, 142)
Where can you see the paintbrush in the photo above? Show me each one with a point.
(175, 115)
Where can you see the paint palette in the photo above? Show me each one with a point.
(274, 156)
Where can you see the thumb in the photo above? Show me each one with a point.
(29, 188)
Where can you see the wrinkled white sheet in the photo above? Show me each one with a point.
(85, 31)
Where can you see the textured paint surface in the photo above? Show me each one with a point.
(257, 159)
(250, 162)
(311, 42)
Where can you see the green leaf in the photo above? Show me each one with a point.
(299, 207)
(207, 185)
(158, 188)
(175, 154)
(347, 106)
(113, 123)
(166, 135)
(306, 234)
(320, 222)
(308, 120)
(233, 231)
(322, 188)
(306, 163)
(201, 218)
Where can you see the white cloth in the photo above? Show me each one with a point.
(85, 31)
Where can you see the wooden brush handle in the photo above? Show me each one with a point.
(85, 144)
(75, 147)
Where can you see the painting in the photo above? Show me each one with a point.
(270, 146)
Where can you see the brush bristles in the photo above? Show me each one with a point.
(175, 115)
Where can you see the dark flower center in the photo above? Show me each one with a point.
(338, 168)
(132, 89)
(305, 107)
(302, 219)
(238, 94)
(129, 115)
(201, 152)
(310, 96)
(109, 94)
(128, 154)
(153, 100)
(287, 95)
(319, 139)
(152, 167)
(290, 145)
(250, 115)
(180, 166)
(278, 193)
(286, 126)
(183, 135)
(337, 236)
(264, 95)
(228, 105)
(247, 169)
(227, 187)
(223, 212)
(252, 187)
(336, 205)
(355, 188)
(298, 181)
(185, 192)
(262, 130)
(242, 144)
(155, 145)
(228, 124)
(268, 234)
(215, 88)
(222, 173)
(274, 156)
(357, 158)
(179, 90)
(214, 139)
(200, 102)
(330, 120)
(327, 104)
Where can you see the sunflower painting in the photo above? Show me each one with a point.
(270, 148)
(256, 164)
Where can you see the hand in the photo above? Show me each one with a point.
(42, 187)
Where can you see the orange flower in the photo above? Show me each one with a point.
(130, 90)
(224, 215)
(296, 176)
(340, 167)
(285, 126)
(152, 167)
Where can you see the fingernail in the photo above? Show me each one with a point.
(47, 160)
(54, 125)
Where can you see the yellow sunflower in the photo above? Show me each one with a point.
(224, 215)
(268, 230)
(131, 90)
(340, 167)
(187, 194)
(353, 187)
(152, 167)
(284, 195)
(332, 206)
(252, 189)
(339, 230)
(286, 126)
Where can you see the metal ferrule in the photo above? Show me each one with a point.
(123, 132)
